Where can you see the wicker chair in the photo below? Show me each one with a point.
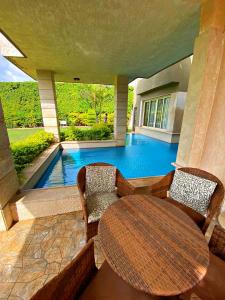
(212, 287)
(161, 188)
(82, 280)
(123, 188)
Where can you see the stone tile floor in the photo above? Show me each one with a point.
(34, 251)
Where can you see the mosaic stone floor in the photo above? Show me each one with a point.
(34, 251)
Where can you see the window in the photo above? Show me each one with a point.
(146, 112)
(156, 112)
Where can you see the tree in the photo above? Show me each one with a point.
(21, 102)
(96, 96)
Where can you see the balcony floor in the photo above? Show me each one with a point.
(34, 251)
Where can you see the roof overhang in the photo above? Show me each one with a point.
(98, 39)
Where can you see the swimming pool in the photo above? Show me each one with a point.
(141, 157)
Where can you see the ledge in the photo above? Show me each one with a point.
(88, 144)
(159, 134)
(31, 174)
(36, 203)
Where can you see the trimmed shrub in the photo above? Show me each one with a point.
(77, 119)
(100, 132)
(26, 150)
(111, 127)
(91, 117)
(96, 132)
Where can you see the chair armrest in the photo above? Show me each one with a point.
(124, 188)
(211, 213)
(158, 189)
(81, 177)
(84, 205)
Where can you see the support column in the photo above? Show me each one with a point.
(120, 114)
(202, 140)
(47, 94)
(8, 178)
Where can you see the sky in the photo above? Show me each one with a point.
(9, 72)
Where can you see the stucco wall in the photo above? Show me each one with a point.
(177, 73)
(172, 81)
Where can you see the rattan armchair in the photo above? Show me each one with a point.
(123, 188)
(217, 242)
(82, 280)
(161, 188)
(212, 287)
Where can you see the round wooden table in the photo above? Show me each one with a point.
(153, 245)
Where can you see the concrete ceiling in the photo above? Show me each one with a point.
(96, 40)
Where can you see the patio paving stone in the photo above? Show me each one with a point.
(34, 251)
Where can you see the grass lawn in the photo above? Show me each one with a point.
(17, 134)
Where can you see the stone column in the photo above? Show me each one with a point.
(202, 140)
(8, 177)
(47, 94)
(120, 113)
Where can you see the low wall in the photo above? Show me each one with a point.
(88, 144)
(31, 174)
(162, 135)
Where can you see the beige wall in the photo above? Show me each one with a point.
(8, 177)
(179, 104)
(175, 115)
(203, 131)
(177, 73)
(202, 141)
(172, 81)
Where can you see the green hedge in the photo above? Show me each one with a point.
(96, 132)
(26, 150)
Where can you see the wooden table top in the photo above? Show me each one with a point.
(153, 245)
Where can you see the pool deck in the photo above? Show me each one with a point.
(34, 251)
(40, 244)
(36, 203)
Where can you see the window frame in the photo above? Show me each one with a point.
(164, 97)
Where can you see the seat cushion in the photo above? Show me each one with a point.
(212, 287)
(107, 285)
(192, 191)
(97, 203)
(100, 179)
(198, 218)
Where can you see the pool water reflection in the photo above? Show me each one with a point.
(141, 157)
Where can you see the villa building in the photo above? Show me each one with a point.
(160, 101)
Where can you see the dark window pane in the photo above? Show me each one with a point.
(151, 119)
(159, 114)
(146, 112)
(165, 113)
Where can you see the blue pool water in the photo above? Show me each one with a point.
(141, 157)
